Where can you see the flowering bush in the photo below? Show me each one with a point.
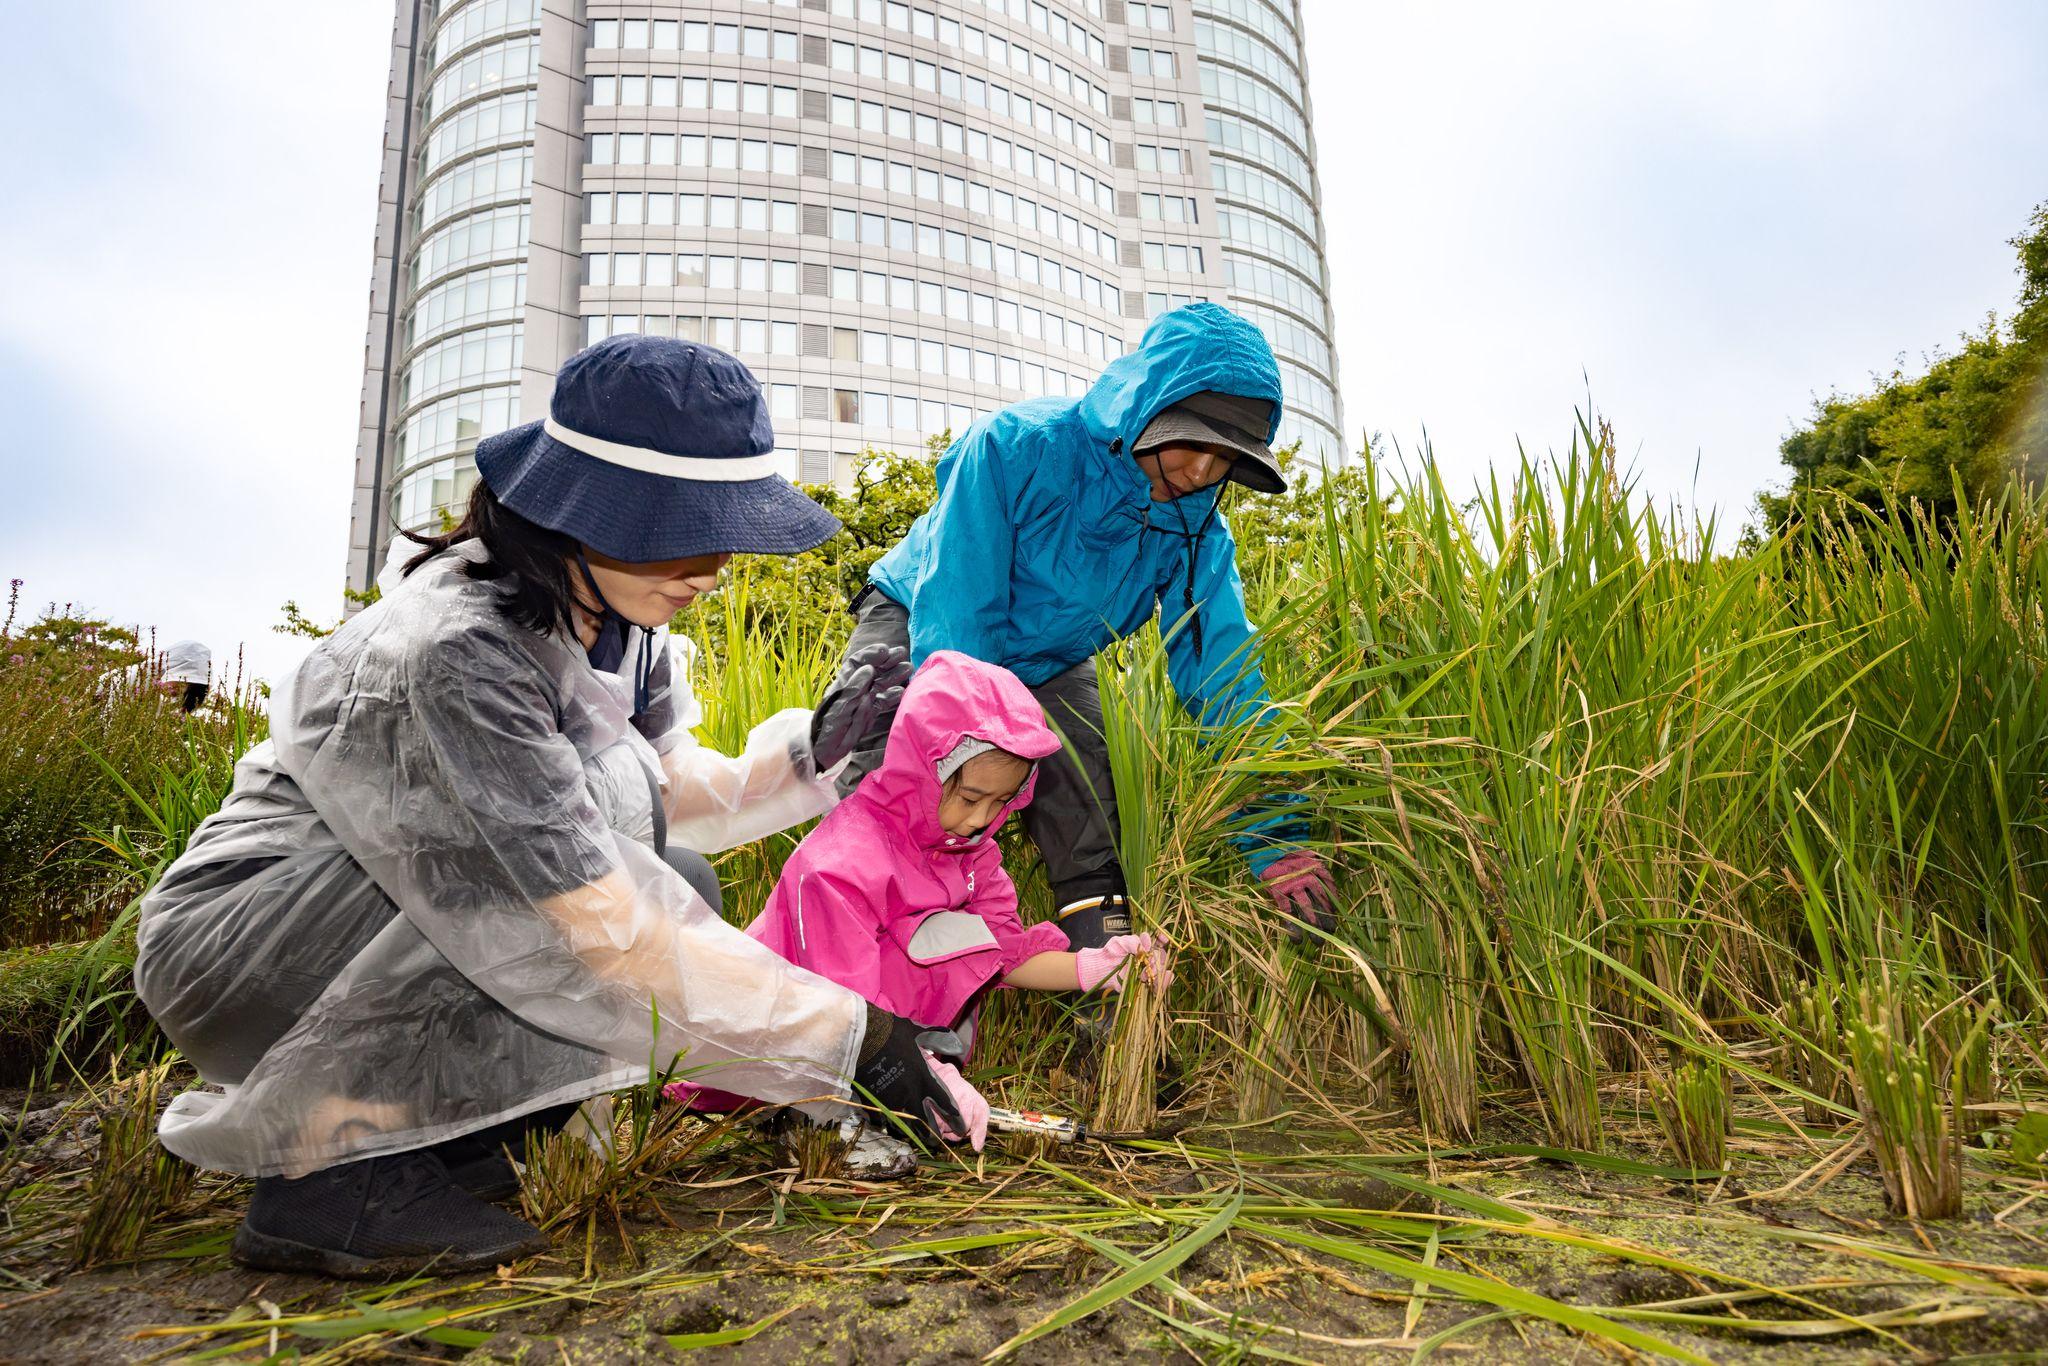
(73, 730)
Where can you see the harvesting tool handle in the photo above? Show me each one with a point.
(1057, 1127)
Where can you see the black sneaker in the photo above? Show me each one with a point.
(478, 1162)
(378, 1219)
(487, 1176)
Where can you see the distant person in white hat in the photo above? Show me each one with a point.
(184, 673)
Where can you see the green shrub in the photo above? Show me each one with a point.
(70, 747)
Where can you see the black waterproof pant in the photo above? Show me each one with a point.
(245, 1001)
(1072, 817)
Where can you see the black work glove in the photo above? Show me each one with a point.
(869, 686)
(893, 1070)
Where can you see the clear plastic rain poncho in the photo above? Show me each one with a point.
(410, 920)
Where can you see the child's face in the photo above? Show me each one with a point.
(977, 794)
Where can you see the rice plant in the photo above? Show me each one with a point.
(609, 1157)
(134, 1182)
(1150, 751)
(1595, 783)
(1693, 1103)
(1812, 1056)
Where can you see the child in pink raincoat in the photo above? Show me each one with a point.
(900, 893)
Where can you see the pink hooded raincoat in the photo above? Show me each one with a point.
(879, 897)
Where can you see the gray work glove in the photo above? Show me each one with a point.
(869, 687)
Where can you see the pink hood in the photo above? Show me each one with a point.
(857, 901)
(954, 697)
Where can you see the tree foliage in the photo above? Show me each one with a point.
(809, 593)
(1974, 417)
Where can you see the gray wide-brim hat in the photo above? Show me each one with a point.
(1237, 424)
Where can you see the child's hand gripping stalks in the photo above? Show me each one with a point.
(1107, 966)
(972, 1105)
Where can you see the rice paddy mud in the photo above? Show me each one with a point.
(1281, 1241)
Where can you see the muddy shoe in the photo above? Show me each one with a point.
(849, 1147)
(867, 1153)
(378, 1219)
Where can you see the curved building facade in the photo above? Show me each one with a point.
(1269, 222)
(901, 216)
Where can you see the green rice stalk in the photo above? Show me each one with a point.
(1811, 1056)
(817, 1149)
(1693, 1104)
(1913, 1072)
(1271, 1049)
(1433, 960)
(135, 1183)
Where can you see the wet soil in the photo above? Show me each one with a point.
(845, 1272)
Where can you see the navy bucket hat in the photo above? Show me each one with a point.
(654, 449)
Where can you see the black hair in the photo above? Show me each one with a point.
(195, 696)
(532, 560)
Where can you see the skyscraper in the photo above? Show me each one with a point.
(899, 215)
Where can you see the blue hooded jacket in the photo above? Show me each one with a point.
(1045, 545)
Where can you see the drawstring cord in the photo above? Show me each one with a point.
(643, 664)
(1189, 540)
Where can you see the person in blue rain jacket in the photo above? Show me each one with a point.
(1062, 525)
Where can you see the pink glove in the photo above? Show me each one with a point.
(1106, 964)
(1300, 886)
(973, 1108)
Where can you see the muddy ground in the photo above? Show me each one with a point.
(949, 1266)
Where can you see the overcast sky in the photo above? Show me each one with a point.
(1704, 213)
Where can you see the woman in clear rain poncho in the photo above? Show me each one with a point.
(409, 934)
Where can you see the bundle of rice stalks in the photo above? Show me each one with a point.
(1432, 955)
(1915, 1067)
(818, 1150)
(1151, 753)
(1126, 1099)
(1271, 1042)
(1693, 1102)
(136, 1182)
(1812, 1056)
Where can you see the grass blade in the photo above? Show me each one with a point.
(1127, 1282)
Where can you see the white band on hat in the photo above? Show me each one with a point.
(735, 470)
